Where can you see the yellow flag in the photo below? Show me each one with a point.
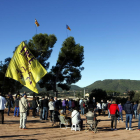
(25, 68)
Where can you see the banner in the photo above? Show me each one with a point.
(25, 68)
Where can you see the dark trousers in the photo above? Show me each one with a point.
(1, 116)
(34, 112)
(81, 124)
(113, 118)
(51, 111)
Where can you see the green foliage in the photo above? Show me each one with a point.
(68, 67)
(116, 85)
(8, 84)
(99, 94)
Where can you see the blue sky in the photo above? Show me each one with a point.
(109, 30)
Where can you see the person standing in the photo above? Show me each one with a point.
(41, 107)
(138, 112)
(135, 109)
(45, 108)
(82, 106)
(99, 108)
(23, 104)
(128, 107)
(108, 106)
(34, 106)
(2, 107)
(64, 105)
(51, 108)
(9, 102)
(16, 106)
(113, 112)
(56, 103)
(120, 112)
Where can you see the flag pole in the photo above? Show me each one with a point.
(67, 33)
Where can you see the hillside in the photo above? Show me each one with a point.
(108, 85)
(73, 87)
(116, 85)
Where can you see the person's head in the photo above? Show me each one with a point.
(120, 103)
(55, 98)
(90, 109)
(113, 102)
(51, 99)
(135, 103)
(75, 108)
(24, 95)
(0, 94)
(62, 112)
(128, 99)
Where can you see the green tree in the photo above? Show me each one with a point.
(99, 95)
(68, 67)
(41, 47)
(8, 84)
(131, 94)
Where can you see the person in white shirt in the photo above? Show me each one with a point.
(51, 108)
(99, 108)
(76, 119)
(2, 107)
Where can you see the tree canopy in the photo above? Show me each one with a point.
(68, 67)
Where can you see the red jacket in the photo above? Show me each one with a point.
(113, 108)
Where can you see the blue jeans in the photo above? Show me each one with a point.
(135, 113)
(108, 113)
(16, 109)
(45, 113)
(128, 118)
(139, 122)
(82, 111)
(120, 115)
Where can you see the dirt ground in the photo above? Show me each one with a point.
(43, 130)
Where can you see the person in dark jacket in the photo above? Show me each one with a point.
(113, 109)
(45, 109)
(34, 106)
(17, 106)
(128, 107)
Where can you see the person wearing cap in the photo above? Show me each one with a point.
(2, 107)
(65, 116)
(23, 111)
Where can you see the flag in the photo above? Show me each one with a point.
(37, 24)
(25, 68)
(68, 27)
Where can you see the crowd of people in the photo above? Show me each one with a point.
(46, 108)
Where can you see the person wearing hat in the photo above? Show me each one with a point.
(2, 107)
(65, 116)
(23, 111)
